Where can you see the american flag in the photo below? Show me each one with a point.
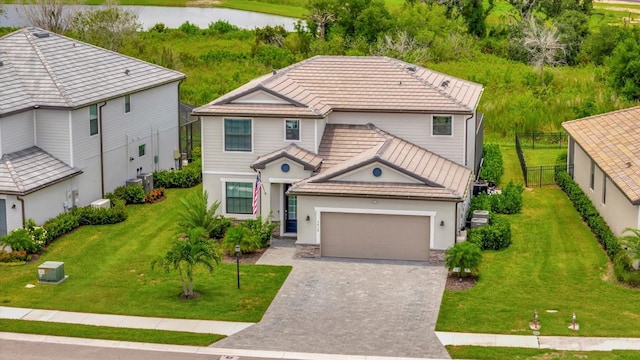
(256, 194)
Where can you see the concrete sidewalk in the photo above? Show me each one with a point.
(134, 322)
(575, 343)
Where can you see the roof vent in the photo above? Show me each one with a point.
(126, 72)
(274, 72)
(444, 84)
(412, 68)
(628, 163)
(41, 34)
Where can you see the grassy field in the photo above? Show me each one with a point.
(541, 157)
(558, 266)
(478, 352)
(108, 333)
(109, 270)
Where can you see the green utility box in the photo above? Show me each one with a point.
(51, 272)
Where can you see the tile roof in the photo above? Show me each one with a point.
(25, 171)
(50, 70)
(612, 140)
(306, 158)
(349, 147)
(322, 84)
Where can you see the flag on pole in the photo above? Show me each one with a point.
(256, 194)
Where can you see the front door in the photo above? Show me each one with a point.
(290, 212)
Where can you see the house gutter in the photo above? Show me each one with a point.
(22, 209)
(101, 147)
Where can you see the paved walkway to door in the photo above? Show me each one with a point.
(351, 307)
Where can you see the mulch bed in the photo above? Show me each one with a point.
(454, 283)
(244, 258)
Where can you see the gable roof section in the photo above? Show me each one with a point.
(32, 169)
(440, 178)
(50, 70)
(323, 84)
(612, 141)
(307, 159)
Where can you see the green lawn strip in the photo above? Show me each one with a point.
(479, 352)
(108, 333)
(109, 270)
(541, 157)
(554, 263)
(264, 7)
(512, 170)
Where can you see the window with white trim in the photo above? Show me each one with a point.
(237, 135)
(292, 130)
(127, 103)
(93, 119)
(142, 150)
(239, 197)
(442, 125)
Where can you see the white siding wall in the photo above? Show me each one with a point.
(14, 216)
(618, 211)
(52, 133)
(16, 132)
(415, 128)
(47, 203)
(444, 236)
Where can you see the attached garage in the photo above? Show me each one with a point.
(375, 236)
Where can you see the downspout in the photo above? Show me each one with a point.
(466, 140)
(101, 148)
(24, 221)
(179, 164)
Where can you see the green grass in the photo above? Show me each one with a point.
(478, 352)
(542, 157)
(265, 7)
(554, 263)
(109, 272)
(108, 333)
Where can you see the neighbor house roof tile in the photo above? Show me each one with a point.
(304, 157)
(612, 141)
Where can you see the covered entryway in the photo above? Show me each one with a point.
(375, 236)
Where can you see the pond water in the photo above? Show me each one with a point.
(173, 17)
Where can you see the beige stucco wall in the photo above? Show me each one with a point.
(308, 231)
(618, 211)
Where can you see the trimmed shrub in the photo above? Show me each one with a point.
(589, 213)
(61, 225)
(241, 235)
(623, 270)
(262, 229)
(464, 255)
(21, 240)
(100, 216)
(14, 256)
(495, 236)
(189, 176)
(130, 194)
(492, 167)
(154, 195)
(509, 201)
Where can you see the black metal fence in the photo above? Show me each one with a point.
(539, 176)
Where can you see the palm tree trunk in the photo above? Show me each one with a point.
(184, 285)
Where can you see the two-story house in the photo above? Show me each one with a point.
(77, 121)
(365, 157)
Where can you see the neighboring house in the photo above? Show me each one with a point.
(77, 121)
(366, 157)
(605, 153)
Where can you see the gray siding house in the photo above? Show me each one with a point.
(364, 157)
(77, 121)
(606, 164)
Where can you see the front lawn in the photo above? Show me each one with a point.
(554, 263)
(109, 268)
(479, 352)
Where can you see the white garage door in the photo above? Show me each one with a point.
(374, 236)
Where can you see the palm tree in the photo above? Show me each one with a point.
(631, 243)
(196, 214)
(186, 252)
(464, 255)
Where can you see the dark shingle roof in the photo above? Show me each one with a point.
(31, 169)
(57, 71)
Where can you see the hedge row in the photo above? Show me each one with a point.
(492, 167)
(509, 201)
(589, 213)
(495, 236)
(66, 222)
(189, 176)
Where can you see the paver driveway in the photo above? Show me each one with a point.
(354, 307)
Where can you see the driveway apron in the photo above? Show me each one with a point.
(351, 307)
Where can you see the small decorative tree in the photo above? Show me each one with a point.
(242, 236)
(464, 255)
(186, 252)
(631, 244)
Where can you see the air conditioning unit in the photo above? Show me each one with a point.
(101, 204)
(51, 272)
(480, 214)
(131, 182)
(147, 181)
(478, 222)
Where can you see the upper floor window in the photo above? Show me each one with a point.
(292, 130)
(442, 125)
(93, 119)
(592, 176)
(237, 134)
(127, 103)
